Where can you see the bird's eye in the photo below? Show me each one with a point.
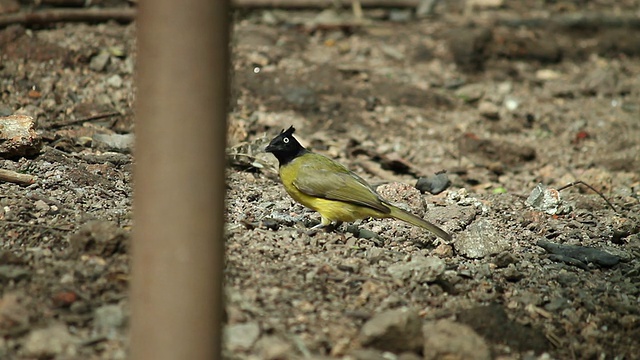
(285, 140)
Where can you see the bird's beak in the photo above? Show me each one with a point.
(269, 148)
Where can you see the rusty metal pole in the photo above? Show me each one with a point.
(178, 249)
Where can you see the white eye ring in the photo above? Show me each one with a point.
(285, 140)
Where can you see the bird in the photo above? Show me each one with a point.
(328, 187)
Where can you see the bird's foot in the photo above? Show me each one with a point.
(328, 227)
(314, 230)
(333, 226)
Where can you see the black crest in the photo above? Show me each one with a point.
(285, 147)
(289, 131)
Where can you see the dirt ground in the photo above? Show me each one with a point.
(501, 98)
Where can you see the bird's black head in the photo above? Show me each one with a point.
(285, 147)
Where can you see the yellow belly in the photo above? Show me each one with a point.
(331, 210)
(335, 210)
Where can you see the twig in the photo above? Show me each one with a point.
(16, 177)
(580, 182)
(63, 2)
(575, 21)
(94, 340)
(18, 223)
(425, 8)
(64, 15)
(357, 9)
(82, 120)
(50, 16)
(306, 4)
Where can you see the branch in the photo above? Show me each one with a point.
(129, 14)
(68, 15)
(575, 21)
(580, 182)
(83, 120)
(16, 177)
(77, 3)
(306, 4)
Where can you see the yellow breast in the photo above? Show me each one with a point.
(331, 209)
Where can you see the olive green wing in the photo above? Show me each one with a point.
(335, 182)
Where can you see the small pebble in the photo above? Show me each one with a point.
(547, 200)
(241, 337)
(511, 273)
(300, 96)
(434, 184)
(108, 320)
(115, 142)
(489, 110)
(99, 62)
(51, 342)
(13, 273)
(41, 205)
(400, 15)
(504, 259)
(115, 81)
(471, 92)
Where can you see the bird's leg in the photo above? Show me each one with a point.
(314, 230)
(324, 224)
(335, 226)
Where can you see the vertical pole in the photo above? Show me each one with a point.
(178, 247)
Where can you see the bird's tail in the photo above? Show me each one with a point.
(414, 220)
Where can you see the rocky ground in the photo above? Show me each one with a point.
(513, 102)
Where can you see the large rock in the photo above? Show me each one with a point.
(419, 269)
(395, 330)
(54, 341)
(109, 320)
(98, 237)
(445, 339)
(481, 239)
(18, 137)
